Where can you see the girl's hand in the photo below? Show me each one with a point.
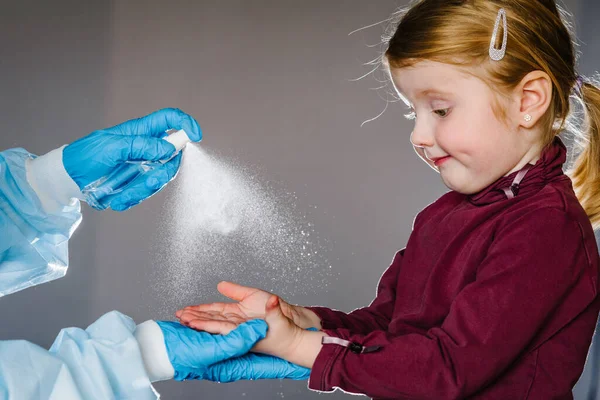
(283, 335)
(222, 318)
(287, 340)
(286, 337)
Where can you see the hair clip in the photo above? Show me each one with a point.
(498, 54)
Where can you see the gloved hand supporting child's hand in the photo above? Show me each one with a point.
(192, 353)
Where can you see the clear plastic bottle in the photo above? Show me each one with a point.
(96, 193)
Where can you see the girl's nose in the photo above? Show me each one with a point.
(421, 137)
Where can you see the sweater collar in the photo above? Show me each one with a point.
(530, 179)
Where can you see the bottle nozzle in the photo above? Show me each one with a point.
(179, 139)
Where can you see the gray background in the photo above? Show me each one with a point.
(270, 83)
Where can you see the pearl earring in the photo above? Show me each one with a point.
(527, 117)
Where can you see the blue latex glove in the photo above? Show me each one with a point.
(139, 140)
(192, 352)
(254, 366)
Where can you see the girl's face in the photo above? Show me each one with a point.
(456, 131)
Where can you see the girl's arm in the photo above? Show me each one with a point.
(515, 305)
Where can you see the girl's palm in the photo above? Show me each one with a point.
(224, 317)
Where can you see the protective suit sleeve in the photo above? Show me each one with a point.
(34, 235)
(154, 351)
(101, 362)
(48, 178)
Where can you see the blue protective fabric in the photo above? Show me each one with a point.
(33, 243)
(101, 362)
(93, 160)
(192, 352)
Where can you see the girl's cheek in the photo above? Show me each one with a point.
(445, 137)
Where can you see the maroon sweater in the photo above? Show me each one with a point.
(492, 298)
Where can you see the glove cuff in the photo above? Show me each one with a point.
(154, 351)
(48, 178)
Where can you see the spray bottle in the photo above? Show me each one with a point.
(96, 193)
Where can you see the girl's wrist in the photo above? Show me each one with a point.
(305, 349)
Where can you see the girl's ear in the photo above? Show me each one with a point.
(534, 95)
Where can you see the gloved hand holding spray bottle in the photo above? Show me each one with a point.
(99, 193)
(121, 166)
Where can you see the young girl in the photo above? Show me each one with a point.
(495, 294)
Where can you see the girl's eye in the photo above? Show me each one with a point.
(442, 113)
(412, 115)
